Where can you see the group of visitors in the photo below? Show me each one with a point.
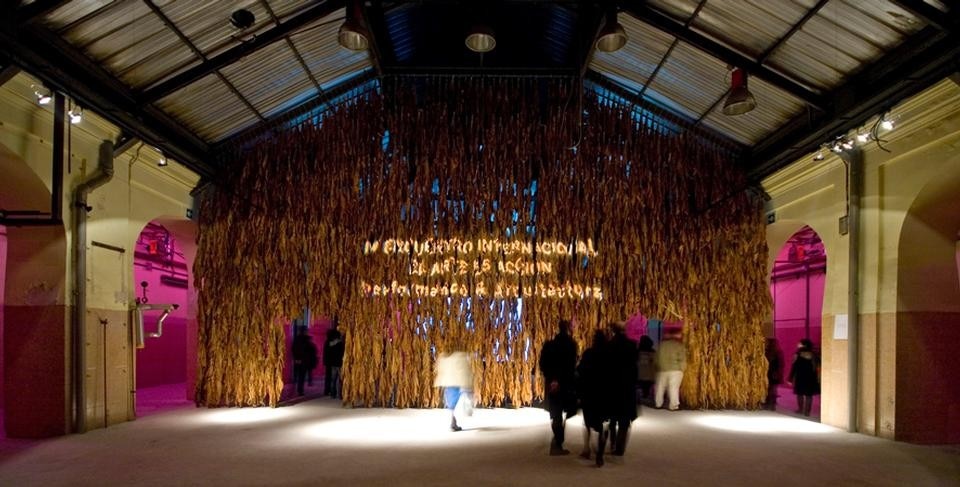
(605, 382)
(304, 353)
(614, 374)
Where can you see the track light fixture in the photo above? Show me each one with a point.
(481, 38)
(162, 161)
(76, 115)
(872, 133)
(612, 37)
(44, 97)
(740, 100)
(353, 34)
(886, 123)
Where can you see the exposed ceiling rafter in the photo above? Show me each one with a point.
(242, 50)
(682, 121)
(63, 68)
(591, 21)
(564, 72)
(33, 11)
(927, 13)
(381, 49)
(7, 72)
(662, 22)
(925, 58)
(197, 52)
(287, 116)
(768, 52)
(294, 50)
(673, 45)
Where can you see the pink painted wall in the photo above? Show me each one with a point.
(3, 280)
(34, 333)
(790, 295)
(792, 305)
(163, 360)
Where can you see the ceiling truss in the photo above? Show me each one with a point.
(926, 57)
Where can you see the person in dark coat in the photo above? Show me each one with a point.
(310, 361)
(622, 356)
(333, 349)
(805, 376)
(304, 358)
(646, 368)
(558, 362)
(592, 388)
(774, 372)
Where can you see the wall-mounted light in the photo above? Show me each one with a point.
(76, 115)
(353, 34)
(44, 97)
(162, 159)
(612, 37)
(481, 38)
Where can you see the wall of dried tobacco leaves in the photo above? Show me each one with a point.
(368, 215)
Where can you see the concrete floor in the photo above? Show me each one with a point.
(317, 442)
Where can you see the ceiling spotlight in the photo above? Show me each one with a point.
(481, 39)
(848, 144)
(353, 35)
(819, 156)
(44, 97)
(886, 124)
(76, 115)
(740, 100)
(863, 138)
(612, 36)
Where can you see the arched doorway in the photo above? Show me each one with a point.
(33, 310)
(164, 325)
(928, 315)
(797, 281)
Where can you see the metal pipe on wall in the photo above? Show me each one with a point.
(806, 303)
(100, 176)
(853, 160)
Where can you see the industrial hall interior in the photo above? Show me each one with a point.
(499, 242)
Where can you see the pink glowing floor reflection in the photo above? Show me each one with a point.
(158, 399)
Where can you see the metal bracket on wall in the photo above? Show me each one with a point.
(119, 250)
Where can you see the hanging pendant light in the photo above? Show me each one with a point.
(612, 36)
(481, 38)
(353, 34)
(740, 100)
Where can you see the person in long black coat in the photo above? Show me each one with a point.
(593, 389)
(558, 363)
(333, 350)
(805, 376)
(622, 356)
